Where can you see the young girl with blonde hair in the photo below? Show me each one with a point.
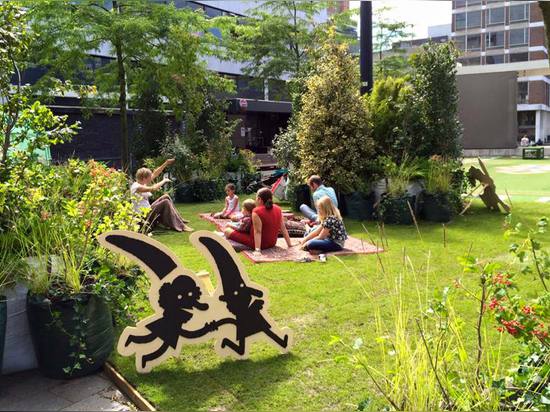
(331, 234)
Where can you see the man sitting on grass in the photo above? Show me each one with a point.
(319, 190)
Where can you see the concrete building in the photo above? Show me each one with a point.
(508, 36)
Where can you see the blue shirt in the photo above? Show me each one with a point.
(325, 191)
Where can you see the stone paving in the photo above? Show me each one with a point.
(30, 391)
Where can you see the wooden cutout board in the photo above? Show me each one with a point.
(236, 315)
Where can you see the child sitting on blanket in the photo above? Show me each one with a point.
(243, 225)
(331, 234)
(231, 203)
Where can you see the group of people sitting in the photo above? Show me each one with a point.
(259, 222)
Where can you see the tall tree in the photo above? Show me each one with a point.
(277, 39)
(545, 7)
(135, 33)
(333, 127)
(387, 32)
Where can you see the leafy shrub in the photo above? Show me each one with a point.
(332, 127)
(65, 212)
(197, 190)
(432, 108)
(388, 108)
(399, 176)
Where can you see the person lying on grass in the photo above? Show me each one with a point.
(242, 225)
(331, 234)
(231, 203)
(161, 211)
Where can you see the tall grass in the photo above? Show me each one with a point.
(421, 360)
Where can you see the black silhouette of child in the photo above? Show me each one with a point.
(240, 300)
(177, 299)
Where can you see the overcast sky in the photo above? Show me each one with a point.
(419, 13)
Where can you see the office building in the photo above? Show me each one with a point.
(509, 35)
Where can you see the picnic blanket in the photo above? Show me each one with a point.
(222, 223)
(280, 253)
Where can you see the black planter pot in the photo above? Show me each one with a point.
(57, 330)
(3, 322)
(303, 196)
(358, 205)
(436, 207)
(396, 210)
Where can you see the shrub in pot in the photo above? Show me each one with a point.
(397, 206)
(438, 202)
(199, 190)
(70, 292)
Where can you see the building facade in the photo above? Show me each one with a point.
(509, 33)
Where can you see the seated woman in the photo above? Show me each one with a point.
(331, 234)
(267, 221)
(161, 211)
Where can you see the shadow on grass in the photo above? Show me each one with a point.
(224, 386)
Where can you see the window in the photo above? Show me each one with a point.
(460, 21)
(495, 39)
(519, 37)
(212, 12)
(474, 2)
(460, 42)
(459, 3)
(473, 19)
(519, 57)
(496, 16)
(518, 13)
(473, 42)
(523, 92)
(527, 118)
(472, 61)
(498, 59)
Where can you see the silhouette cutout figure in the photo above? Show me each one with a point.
(235, 314)
(240, 300)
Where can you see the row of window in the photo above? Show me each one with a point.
(495, 59)
(457, 4)
(473, 19)
(493, 40)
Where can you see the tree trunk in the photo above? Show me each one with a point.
(545, 7)
(122, 105)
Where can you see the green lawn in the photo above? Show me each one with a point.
(513, 175)
(318, 301)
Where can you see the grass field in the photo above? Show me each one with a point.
(320, 300)
(524, 180)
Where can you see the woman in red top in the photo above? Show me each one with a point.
(267, 221)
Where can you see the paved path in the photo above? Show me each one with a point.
(30, 391)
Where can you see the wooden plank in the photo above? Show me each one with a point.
(127, 389)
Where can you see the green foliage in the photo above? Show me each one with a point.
(333, 127)
(65, 209)
(439, 175)
(151, 42)
(399, 176)
(386, 32)
(434, 127)
(280, 37)
(388, 109)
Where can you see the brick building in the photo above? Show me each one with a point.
(508, 34)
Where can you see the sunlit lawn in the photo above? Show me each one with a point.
(318, 301)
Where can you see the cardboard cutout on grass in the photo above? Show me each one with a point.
(235, 314)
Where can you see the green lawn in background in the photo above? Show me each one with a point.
(520, 186)
(320, 300)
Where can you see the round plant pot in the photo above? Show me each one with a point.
(358, 205)
(396, 211)
(436, 207)
(71, 338)
(3, 322)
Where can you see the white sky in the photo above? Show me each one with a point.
(419, 13)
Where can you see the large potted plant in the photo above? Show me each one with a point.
(69, 290)
(438, 202)
(397, 205)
